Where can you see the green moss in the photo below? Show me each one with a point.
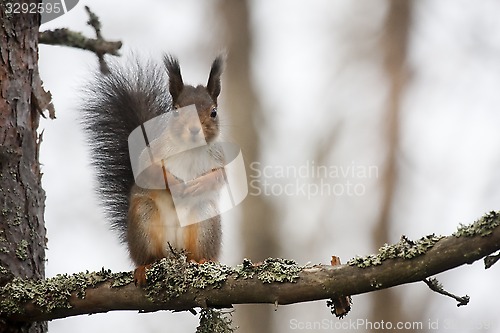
(18, 219)
(54, 293)
(245, 270)
(484, 226)
(122, 279)
(278, 270)
(408, 249)
(208, 274)
(21, 251)
(48, 295)
(167, 279)
(214, 321)
(271, 270)
(405, 249)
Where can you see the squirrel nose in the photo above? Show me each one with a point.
(194, 130)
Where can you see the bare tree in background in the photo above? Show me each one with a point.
(259, 224)
(394, 44)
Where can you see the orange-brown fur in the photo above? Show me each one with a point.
(128, 97)
(191, 243)
(153, 227)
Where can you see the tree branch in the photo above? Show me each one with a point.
(99, 45)
(436, 286)
(491, 260)
(179, 285)
(66, 37)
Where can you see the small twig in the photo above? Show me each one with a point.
(99, 45)
(94, 22)
(491, 260)
(436, 286)
(339, 306)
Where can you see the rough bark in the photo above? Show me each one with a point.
(22, 230)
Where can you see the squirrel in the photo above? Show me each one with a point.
(146, 218)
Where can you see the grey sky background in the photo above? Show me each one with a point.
(316, 69)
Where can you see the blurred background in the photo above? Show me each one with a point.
(359, 121)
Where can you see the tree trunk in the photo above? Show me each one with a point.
(22, 200)
(387, 304)
(259, 226)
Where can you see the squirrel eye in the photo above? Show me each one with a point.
(213, 113)
(176, 112)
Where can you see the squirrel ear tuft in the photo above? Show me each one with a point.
(175, 83)
(213, 84)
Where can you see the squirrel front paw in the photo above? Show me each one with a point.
(207, 182)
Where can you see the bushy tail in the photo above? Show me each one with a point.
(114, 105)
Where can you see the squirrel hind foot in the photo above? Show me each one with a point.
(140, 276)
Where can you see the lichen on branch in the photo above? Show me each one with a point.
(179, 285)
